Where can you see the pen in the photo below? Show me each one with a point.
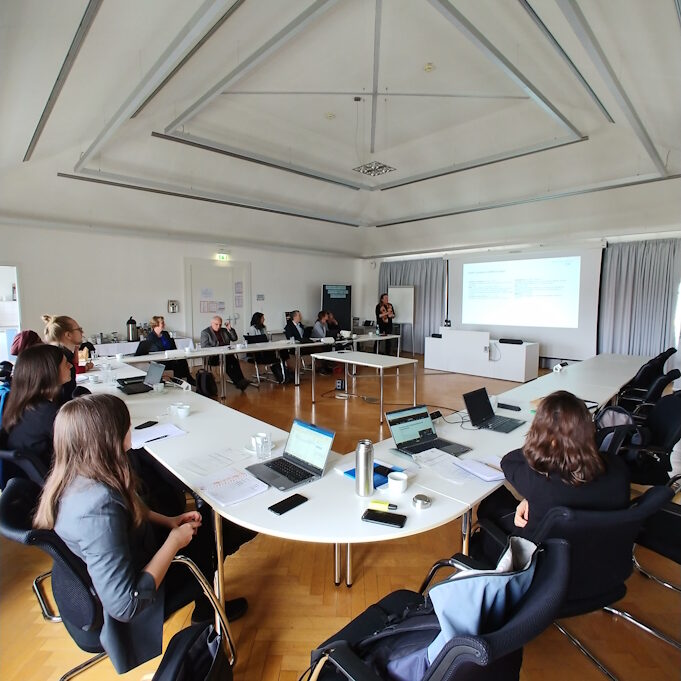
(153, 439)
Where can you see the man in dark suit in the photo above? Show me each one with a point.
(216, 335)
(294, 327)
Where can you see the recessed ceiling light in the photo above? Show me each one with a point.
(374, 168)
(428, 67)
(330, 115)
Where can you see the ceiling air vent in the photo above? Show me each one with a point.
(374, 168)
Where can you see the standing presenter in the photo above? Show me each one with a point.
(385, 313)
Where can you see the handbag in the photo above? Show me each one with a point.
(195, 654)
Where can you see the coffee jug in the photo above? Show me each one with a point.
(131, 328)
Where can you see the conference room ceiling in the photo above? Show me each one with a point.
(249, 117)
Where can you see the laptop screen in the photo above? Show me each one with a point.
(410, 425)
(154, 373)
(478, 406)
(309, 444)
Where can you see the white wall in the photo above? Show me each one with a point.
(102, 279)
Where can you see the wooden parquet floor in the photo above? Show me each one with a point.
(293, 602)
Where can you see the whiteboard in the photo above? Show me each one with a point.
(402, 299)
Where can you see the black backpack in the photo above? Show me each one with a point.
(205, 384)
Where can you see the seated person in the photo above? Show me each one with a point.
(320, 328)
(67, 335)
(294, 327)
(90, 500)
(258, 328)
(159, 340)
(23, 340)
(333, 328)
(214, 336)
(559, 465)
(33, 401)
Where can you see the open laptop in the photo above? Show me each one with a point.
(413, 432)
(142, 384)
(482, 415)
(304, 459)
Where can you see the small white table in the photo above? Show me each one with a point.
(364, 359)
(376, 339)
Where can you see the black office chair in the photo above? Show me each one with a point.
(661, 533)
(638, 399)
(79, 606)
(495, 655)
(659, 431)
(601, 544)
(266, 359)
(648, 373)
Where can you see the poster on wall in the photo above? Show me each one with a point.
(238, 301)
(239, 287)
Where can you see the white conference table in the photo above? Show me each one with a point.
(364, 359)
(332, 514)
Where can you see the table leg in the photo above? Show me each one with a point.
(346, 376)
(381, 400)
(220, 555)
(348, 567)
(336, 564)
(466, 523)
(313, 377)
(297, 381)
(414, 366)
(399, 344)
(223, 374)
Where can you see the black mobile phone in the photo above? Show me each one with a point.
(382, 470)
(146, 424)
(384, 518)
(287, 504)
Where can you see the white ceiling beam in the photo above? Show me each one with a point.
(377, 59)
(209, 12)
(182, 192)
(321, 93)
(480, 162)
(492, 205)
(583, 31)
(70, 59)
(492, 53)
(261, 54)
(558, 48)
(261, 159)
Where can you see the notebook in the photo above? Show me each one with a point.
(414, 432)
(482, 415)
(304, 459)
(142, 384)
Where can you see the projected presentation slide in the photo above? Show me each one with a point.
(537, 292)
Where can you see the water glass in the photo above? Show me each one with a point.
(262, 444)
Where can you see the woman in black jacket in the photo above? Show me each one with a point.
(33, 402)
(559, 465)
(159, 340)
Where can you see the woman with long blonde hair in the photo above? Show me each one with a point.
(90, 499)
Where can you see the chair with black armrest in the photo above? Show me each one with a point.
(76, 599)
(495, 655)
(648, 373)
(262, 358)
(633, 399)
(32, 466)
(661, 533)
(660, 430)
(601, 547)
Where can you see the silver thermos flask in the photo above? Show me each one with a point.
(364, 468)
(131, 330)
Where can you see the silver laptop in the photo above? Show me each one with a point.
(414, 432)
(304, 459)
(482, 415)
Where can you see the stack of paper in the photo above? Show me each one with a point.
(158, 432)
(229, 486)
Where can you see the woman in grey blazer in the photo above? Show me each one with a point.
(90, 501)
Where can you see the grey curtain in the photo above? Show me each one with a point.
(428, 277)
(639, 289)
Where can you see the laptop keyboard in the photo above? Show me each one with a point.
(502, 424)
(288, 470)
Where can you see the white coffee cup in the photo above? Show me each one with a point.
(119, 356)
(397, 482)
(158, 387)
(94, 378)
(183, 410)
(174, 408)
(187, 350)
